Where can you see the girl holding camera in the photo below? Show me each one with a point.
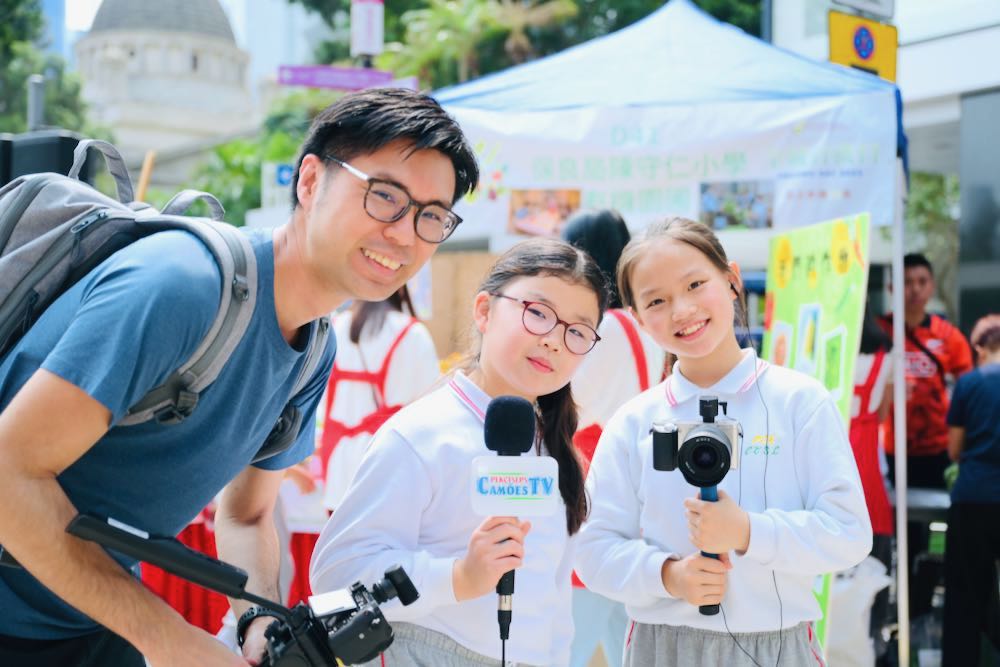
(536, 316)
(793, 509)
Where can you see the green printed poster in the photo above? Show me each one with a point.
(821, 589)
(817, 280)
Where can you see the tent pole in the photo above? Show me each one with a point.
(899, 420)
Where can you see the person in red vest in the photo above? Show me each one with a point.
(936, 354)
(869, 407)
(385, 360)
(626, 363)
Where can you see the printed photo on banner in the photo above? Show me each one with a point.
(782, 338)
(805, 357)
(541, 212)
(832, 372)
(737, 205)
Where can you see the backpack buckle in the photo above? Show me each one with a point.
(241, 289)
(179, 409)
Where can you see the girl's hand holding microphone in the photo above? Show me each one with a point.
(496, 547)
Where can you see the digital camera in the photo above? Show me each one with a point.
(342, 627)
(704, 451)
(345, 625)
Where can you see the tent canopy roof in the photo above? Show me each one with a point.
(678, 55)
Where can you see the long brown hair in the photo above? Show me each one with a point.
(371, 314)
(682, 230)
(558, 416)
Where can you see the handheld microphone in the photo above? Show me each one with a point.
(509, 430)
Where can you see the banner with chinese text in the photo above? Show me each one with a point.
(764, 165)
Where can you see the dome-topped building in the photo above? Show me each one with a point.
(164, 75)
(204, 17)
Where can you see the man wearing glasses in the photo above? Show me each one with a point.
(371, 200)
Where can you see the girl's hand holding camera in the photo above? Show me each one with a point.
(496, 547)
(718, 527)
(697, 579)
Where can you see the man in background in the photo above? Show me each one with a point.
(936, 354)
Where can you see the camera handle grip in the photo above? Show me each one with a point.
(710, 494)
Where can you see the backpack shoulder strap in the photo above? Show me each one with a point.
(287, 428)
(314, 354)
(177, 397)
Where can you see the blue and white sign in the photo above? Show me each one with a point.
(514, 486)
(276, 184)
(283, 174)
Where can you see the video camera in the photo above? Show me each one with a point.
(341, 627)
(704, 451)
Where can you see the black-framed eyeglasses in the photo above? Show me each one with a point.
(539, 319)
(388, 202)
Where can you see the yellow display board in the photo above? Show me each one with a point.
(863, 43)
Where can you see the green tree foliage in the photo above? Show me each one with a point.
(932, 207)
(232, 174)
(441, 43)
(446, 41)
(517, 18)
(233, 170)
(63, 107)
(20, 20)
(601, 17)
(20, 26)
(328, 10)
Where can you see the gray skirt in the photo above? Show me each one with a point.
(681, 646)
(417, 646)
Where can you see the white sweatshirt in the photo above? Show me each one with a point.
(815, 519)
(409, 504)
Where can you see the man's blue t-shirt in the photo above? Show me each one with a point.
(116, 334)
(975, 406)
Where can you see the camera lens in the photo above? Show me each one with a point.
(705, 457)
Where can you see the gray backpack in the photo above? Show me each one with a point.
(55, 229)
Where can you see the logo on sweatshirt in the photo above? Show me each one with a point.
(762, 446)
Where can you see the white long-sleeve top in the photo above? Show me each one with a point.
(409, 504)
(814, 520)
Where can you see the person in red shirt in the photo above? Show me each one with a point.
(936, 354)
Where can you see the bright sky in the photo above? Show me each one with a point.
(80, 14)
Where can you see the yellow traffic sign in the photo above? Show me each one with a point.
(862, 43)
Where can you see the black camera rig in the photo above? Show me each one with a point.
(704, 451)
(341, 627)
